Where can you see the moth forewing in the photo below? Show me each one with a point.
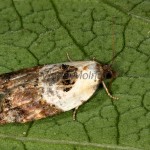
(42, 91)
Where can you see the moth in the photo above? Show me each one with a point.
(42, 91)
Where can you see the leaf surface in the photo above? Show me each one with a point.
(34, 32)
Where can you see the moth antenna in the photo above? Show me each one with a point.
(113, 51)
(113, 42)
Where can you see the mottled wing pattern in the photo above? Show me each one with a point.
(21, 97)
(42, 91)
(60, 75)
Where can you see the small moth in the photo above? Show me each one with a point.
(42, 91)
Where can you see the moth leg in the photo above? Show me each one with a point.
(74, 113)
(107, 91)
(94, 58)
(68, 57)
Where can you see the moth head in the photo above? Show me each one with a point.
(108, 72)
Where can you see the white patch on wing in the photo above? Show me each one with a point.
(80, 92)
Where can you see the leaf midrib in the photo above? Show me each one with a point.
(65, 142)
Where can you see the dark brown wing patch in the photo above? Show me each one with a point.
(69, 77)
(64, 76)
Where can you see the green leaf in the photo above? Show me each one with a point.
(34, 32)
